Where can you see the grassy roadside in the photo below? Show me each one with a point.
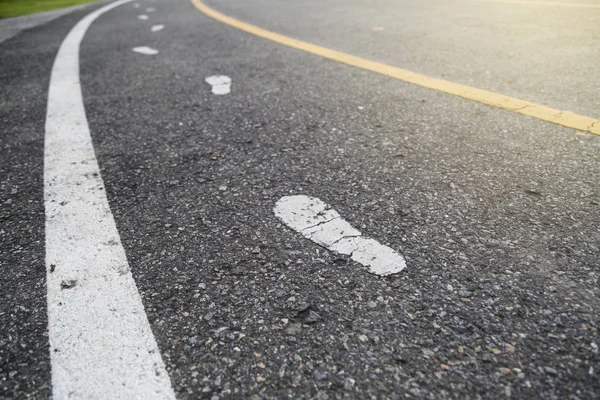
(14, 8)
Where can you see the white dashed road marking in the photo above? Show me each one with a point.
(221, 84)
(316, 221)
(143, 17)
(101, 344)
(150, 9)
(156, 28)
(145, 50)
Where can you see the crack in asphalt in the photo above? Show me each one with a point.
(356, 249)
(520, 108)
(346, 237)
(320, 223)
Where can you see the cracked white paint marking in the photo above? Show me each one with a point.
(156, 28)
(101, 344)
(316, 221)
(221, 84)
(143, 17)
(145, 50)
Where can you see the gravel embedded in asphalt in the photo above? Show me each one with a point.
(496, 214)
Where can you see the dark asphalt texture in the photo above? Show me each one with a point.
(497, 215)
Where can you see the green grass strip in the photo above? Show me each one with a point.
(14, 8)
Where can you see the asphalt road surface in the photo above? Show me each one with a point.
(496, 214)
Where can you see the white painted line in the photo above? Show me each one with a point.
(150, 9)
(145, 50)
(143, 17)
(156, 28)
(221, 84)
(136, 5)
(316, 221)
(101, 344)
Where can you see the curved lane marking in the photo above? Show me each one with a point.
(317, 221)
(101, 344)
(564, 118)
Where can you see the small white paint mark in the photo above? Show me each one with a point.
(136, 5)
(150, 9)
(156, 28)
(143, 17)
(221, 84)
(378, 28)
(145, 50)
(101, 344)
(316, 221)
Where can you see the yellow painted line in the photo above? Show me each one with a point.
(542, 3)
(570, 120)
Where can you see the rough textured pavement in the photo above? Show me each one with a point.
(497, 214)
